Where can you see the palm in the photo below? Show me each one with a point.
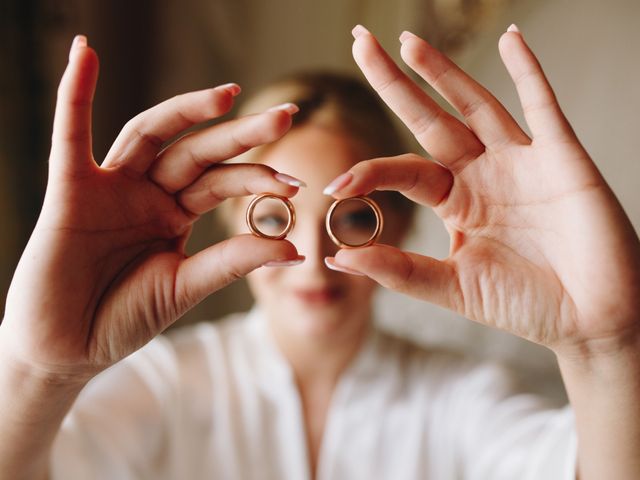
(113, 232)
(540, 246)
(505, 241)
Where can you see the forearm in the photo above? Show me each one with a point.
(33, 405)
(604, 391)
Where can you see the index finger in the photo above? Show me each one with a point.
(447, 139)
(143, 137)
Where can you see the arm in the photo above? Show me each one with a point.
(540, 246)
(105, 270)
(604, 391)
(34, 404)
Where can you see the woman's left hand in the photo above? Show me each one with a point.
(540, 247)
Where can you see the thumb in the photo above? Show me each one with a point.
(217, 266)
(416, 275)
(71, 142)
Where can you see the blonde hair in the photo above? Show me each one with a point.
(338, 101)
(334, 100)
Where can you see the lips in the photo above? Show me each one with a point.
(319, 296)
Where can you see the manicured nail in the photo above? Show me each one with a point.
(233, 88)
(338, 183)
(330, 262)
(289, 180)
(513, 28)
(358, 31)
(285, 263)
(404, 36)
(290, 108)
(79, 41)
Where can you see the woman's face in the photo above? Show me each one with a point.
(309, 299)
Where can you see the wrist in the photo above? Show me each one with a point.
(33, 375)
(611, 363)
(602, 379)
(33, 402)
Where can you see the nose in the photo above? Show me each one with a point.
(311, 239)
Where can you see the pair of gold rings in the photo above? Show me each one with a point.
(351, 222)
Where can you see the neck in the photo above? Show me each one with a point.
(319, 360)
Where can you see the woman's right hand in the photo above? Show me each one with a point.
(105, 269)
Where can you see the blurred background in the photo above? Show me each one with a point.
(152, 50)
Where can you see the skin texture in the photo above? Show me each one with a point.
(540, 247)
(105, 269)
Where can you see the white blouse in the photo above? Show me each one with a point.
(218, 401)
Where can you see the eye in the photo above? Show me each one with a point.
(271, 220)
(361, 219)
(270, 223)
(354, 222)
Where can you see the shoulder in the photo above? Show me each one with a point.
(440, 368)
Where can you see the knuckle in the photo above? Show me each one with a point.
(405, 268)
(136, 128)
(413, 51)
(366, 169)
(469, 108)
(229, 269)
(421, 126)
(387, 83)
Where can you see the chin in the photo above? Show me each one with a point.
(312, 321)
(319, 324)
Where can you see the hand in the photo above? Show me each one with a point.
(540, 247)
(105, 269)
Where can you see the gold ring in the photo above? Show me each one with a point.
(374, 236)
(291, 216)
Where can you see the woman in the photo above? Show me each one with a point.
(531, 223)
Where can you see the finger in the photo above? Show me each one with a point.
(144, 136)
(180, 164)
(226, 181)
(416, 275)
(217, 266)
(442, 135)
(484, 114)
(71, 140)
(419, 179)
(539, 103)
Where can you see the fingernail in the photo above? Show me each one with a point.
(233, 88)
(338, 183)
(406, 35)
(331, 265)
(358, 31)
(79, 41)
(285, 263)
(289, 180)
(290, 108)
(513, 28)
